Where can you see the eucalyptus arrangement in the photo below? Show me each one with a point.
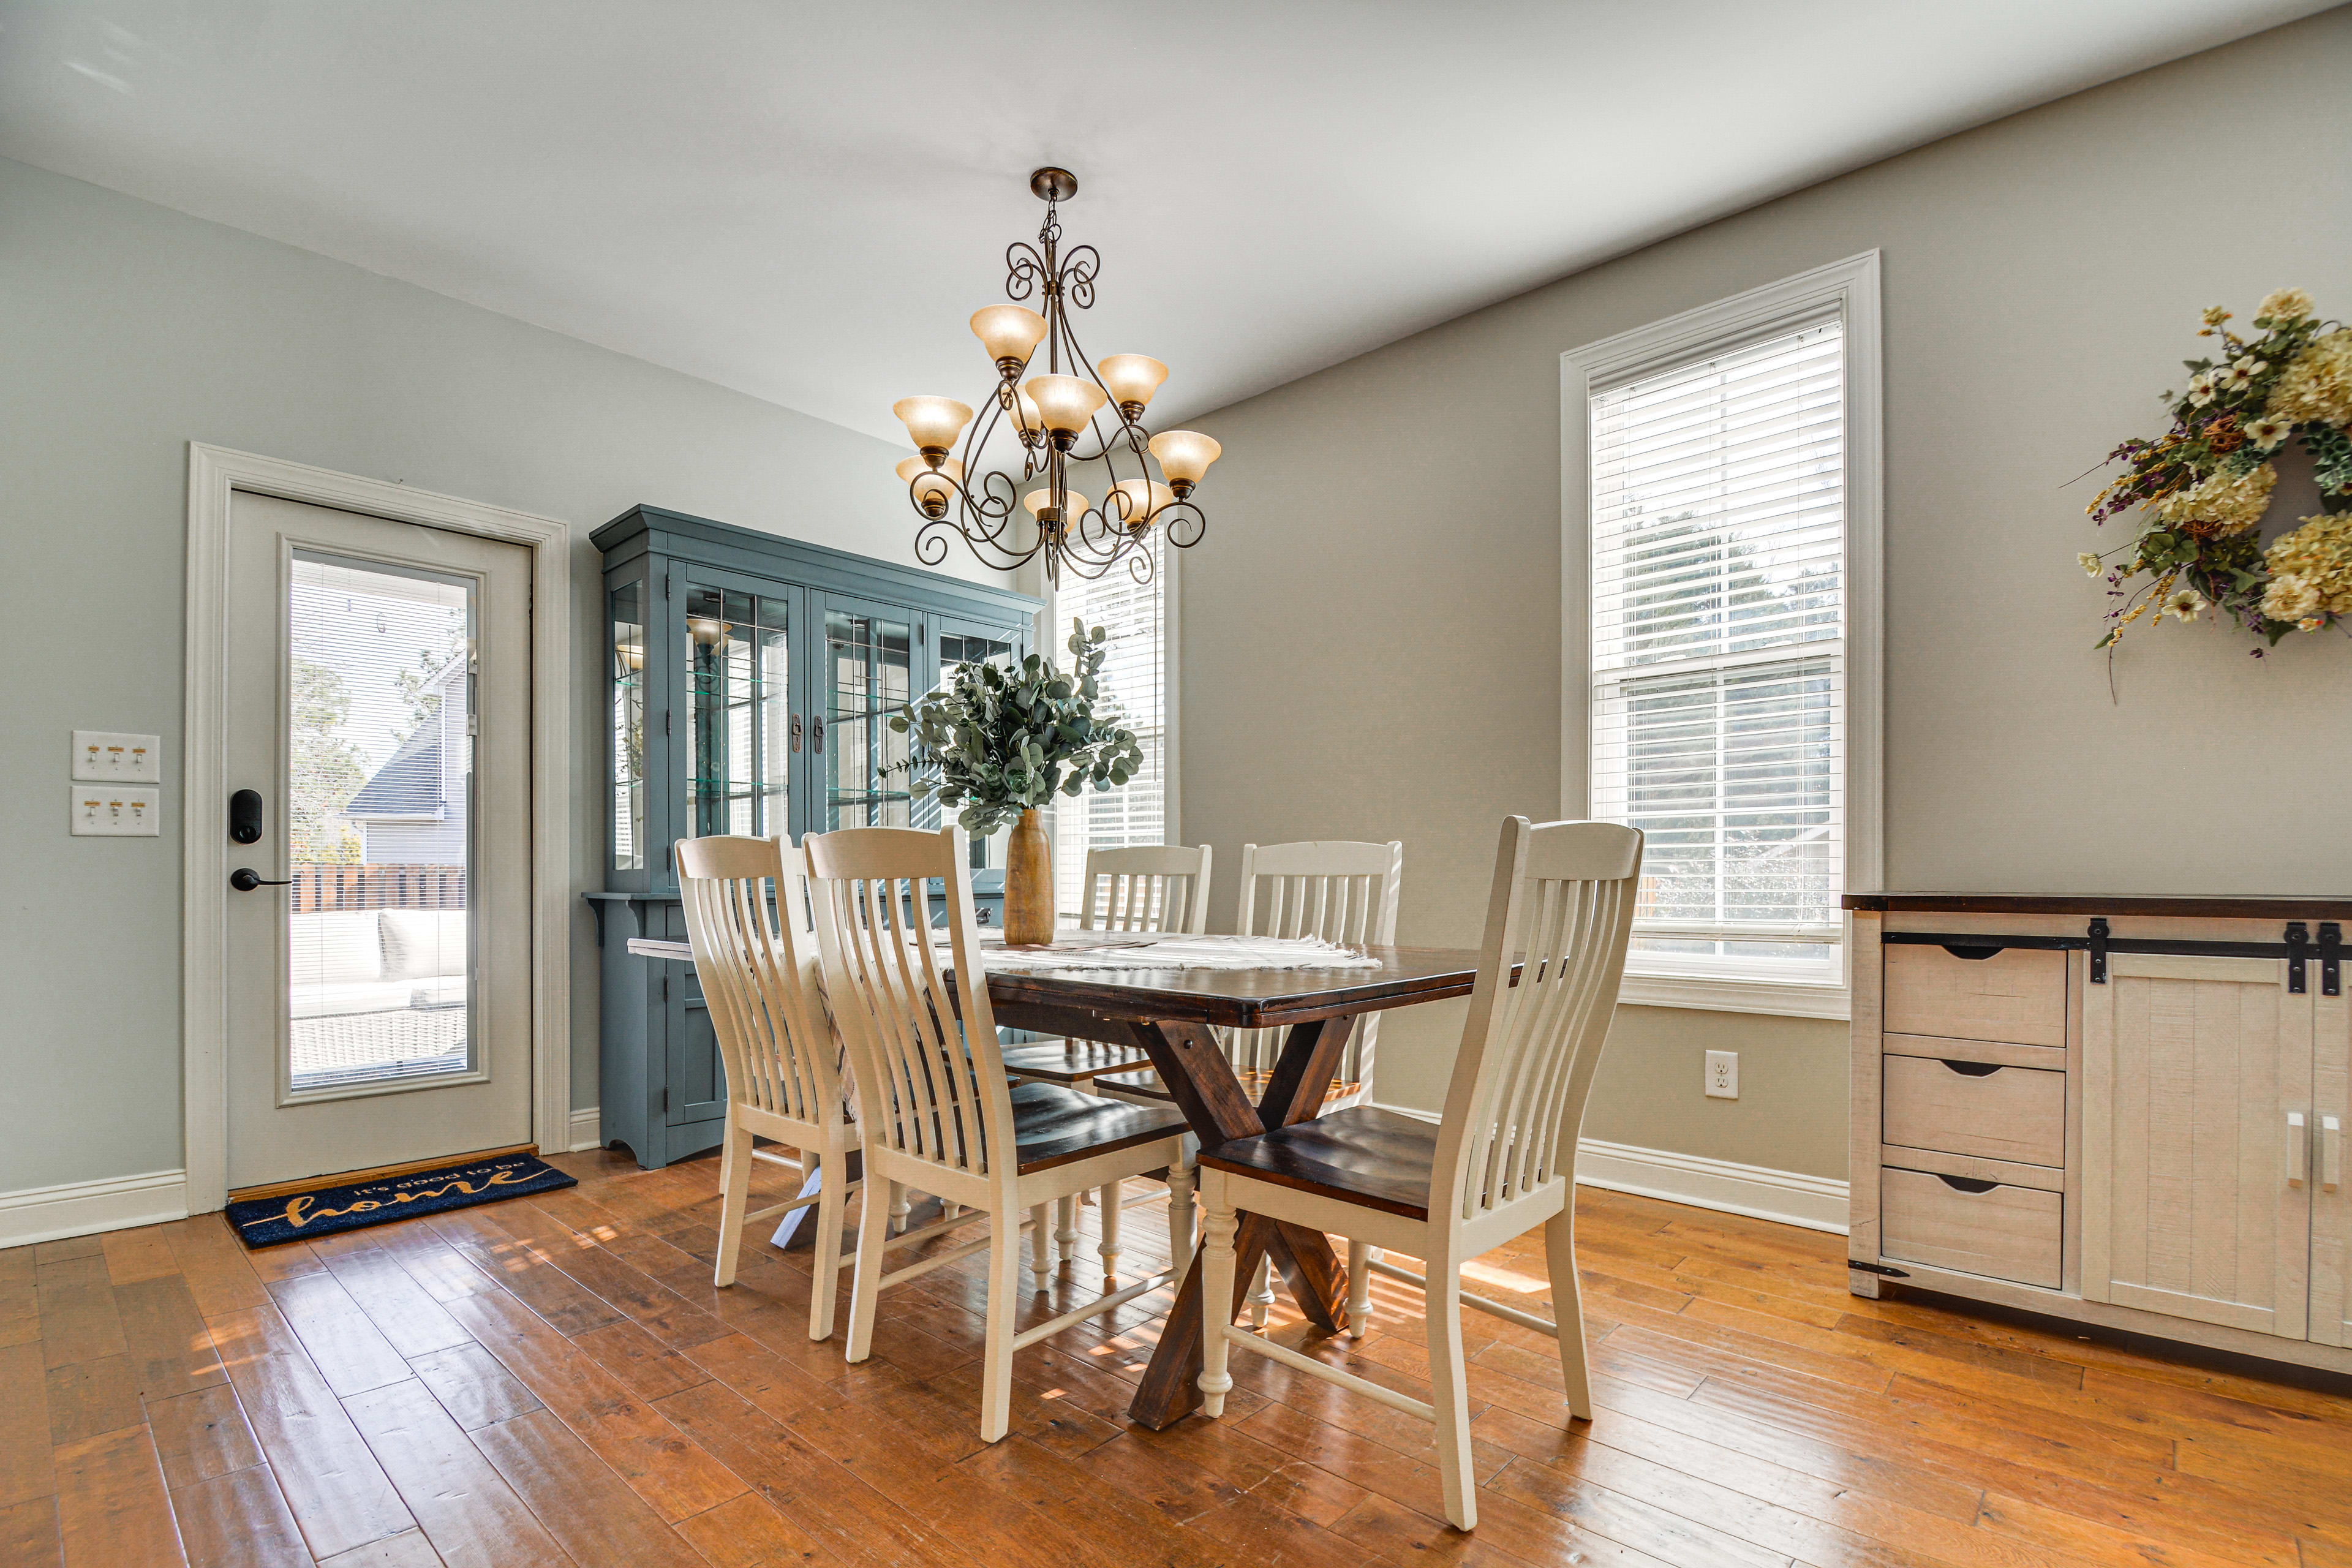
(1006, 742)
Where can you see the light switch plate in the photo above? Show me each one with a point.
(103, 754)
(116, 811)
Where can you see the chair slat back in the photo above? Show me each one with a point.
(747, 915)
(1563, 900)
(921, 1043)
(1336, 889)
(1146, 887)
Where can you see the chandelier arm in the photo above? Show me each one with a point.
(1079, 266)
(1025, 270)
(1173, 516)
(932, 547)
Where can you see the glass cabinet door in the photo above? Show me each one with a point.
(740, 727)
(960, 643)
(868, 670)
(628, 760)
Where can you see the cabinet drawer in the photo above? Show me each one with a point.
(2017, 995)
(2002, 1232)
(1976, 1108)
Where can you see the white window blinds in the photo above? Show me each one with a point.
(1135, 681)
(1719, 658)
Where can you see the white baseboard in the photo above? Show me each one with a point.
(586, 1126)
(1785, 1197)
(84, 1208)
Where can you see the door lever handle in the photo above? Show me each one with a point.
(244, 879)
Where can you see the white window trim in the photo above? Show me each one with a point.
(1853, 286)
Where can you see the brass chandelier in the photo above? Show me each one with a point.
(1053, 411)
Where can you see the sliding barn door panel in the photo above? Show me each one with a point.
(2197, 1120)
(2331, 1173)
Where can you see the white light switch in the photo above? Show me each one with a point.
(112, 811)
(102, 754)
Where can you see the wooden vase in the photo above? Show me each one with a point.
(1029, 884)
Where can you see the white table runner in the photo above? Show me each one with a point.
(1074, 951)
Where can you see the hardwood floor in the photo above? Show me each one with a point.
(555, 1381)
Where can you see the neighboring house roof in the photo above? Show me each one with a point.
(409, 785)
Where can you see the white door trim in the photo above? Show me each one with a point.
(214, 474)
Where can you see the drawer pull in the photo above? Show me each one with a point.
(1965, 1184)
(1971, 1069)
(1970, 952)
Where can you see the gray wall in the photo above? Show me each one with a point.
(128, 331)
(1371, 634)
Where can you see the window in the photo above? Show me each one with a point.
(1136, 678)
(1722, 576)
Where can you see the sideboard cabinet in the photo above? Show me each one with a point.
(2125, 1112)
(750, 683)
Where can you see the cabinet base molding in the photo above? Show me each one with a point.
(586, 1130)
(2131, 1320)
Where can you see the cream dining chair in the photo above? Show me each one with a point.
(938, 1111)
(747, 916)
(1499, 1164)
(1335, 890)
(1138, 887)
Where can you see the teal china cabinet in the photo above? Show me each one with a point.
(751, 679)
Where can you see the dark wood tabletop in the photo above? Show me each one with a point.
(1171, 1016)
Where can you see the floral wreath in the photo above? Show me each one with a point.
(2206, 484)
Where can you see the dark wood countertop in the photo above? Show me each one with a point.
(2243, 906)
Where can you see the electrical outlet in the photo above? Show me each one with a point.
(110, 811)
(1723, 1075)
(104, 756)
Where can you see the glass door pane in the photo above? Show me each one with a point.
(628, 675)
(974, 646)
(380, 781)
(868, 664)
(739, 711)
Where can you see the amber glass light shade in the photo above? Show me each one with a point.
(1184, 456)
(933, 488)
(932, 422)
(1008, 332)
(1133, 503)
(1065, 403)
(706, 630)
(1132, 379)
(1038, 500)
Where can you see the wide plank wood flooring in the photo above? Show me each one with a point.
(554, 1381)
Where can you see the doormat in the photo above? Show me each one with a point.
(273, 1222)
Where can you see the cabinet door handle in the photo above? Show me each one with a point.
(797, 731)
(2298, 1150)
(2331, 1152)
(1971, 1069)
(817, 730)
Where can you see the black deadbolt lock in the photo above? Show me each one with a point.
(244, 816)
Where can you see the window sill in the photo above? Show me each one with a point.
(1711, 993)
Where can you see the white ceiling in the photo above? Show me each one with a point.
(806, 202)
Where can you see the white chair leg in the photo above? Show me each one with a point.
(899, 1207)
(1106, 1200)
(1449, 1384)
(1066, 1235)
(1262, 1293)
(866, 1283)
(1216, 1308)
(1040, 1242)
(1360, 1288)
(825, 1280)
(734, 1195)
(1567, 1308)
(1180, 1216)
(1003, 1292)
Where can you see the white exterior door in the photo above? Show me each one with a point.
(2197, 1141)
(378, 958)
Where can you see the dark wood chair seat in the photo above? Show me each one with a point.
(1359, 1156)
(1053, 1125)
(1071, 1061)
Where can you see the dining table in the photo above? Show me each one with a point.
(1171, 1016)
